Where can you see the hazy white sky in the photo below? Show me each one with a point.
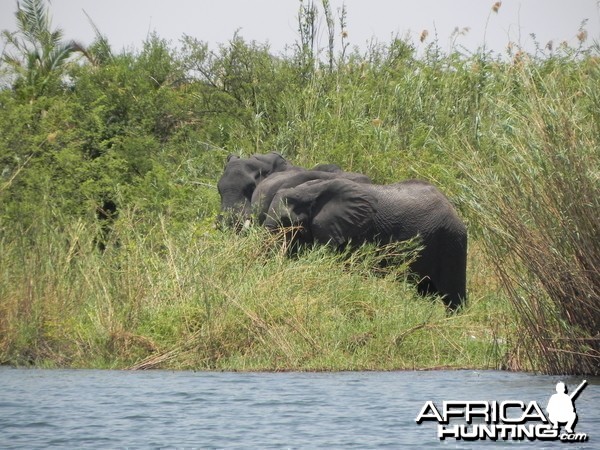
(127, 23)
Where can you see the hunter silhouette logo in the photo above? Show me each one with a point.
(561, 407)
(510, 419)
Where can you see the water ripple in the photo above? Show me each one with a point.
(160, 409)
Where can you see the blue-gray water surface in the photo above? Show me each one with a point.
(162, 409)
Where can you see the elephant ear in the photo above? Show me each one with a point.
(344, 211)
(271, 162)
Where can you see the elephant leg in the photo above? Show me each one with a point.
(426, 286)
(441, 270)
(452, 275)
(426, 273)
(454, 298)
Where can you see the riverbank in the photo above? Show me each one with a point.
(203, 299)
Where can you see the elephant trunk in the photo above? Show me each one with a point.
(237, 218)
(278, 217)
(282, 221)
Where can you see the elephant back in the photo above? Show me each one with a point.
(411, 208)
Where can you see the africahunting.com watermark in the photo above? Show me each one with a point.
(507, 420)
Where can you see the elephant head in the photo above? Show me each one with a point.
(266, 191)
(240, 178)
(333, 211)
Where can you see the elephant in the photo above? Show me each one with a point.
(240, 178)
(264, 193)
(339, 212)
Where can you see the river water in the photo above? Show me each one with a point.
(162, 409)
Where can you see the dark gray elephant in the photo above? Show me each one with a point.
(240, 178)
(266, 191)
(340, 211)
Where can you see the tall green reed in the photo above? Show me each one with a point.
(532, 188)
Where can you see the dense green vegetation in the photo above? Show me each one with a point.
(108, 168)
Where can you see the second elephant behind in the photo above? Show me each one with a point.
(339, 211)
